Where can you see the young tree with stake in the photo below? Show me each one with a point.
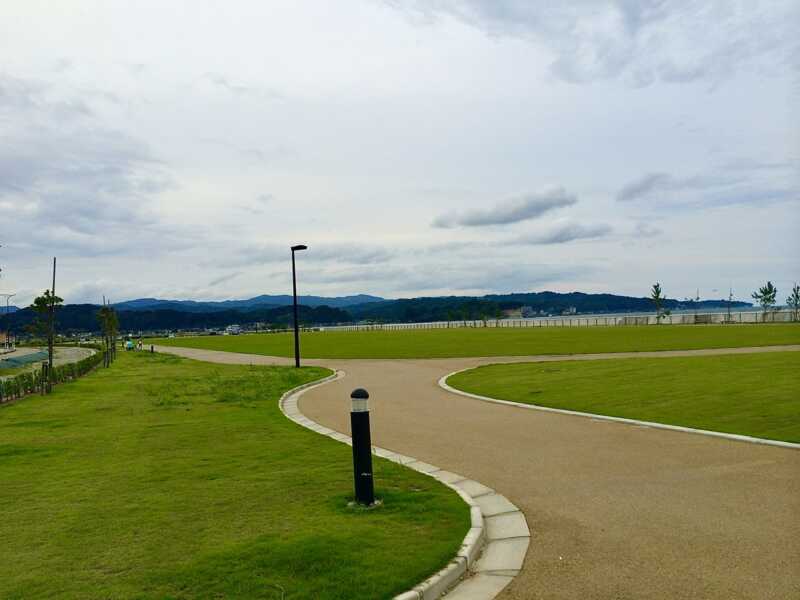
(765, 296)
(793, 301)
(658, 300)
(44, 324)
(109, 325)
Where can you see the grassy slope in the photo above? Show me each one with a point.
(168, 478)
(750, 394)
(499, 342)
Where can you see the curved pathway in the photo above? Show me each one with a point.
(616, 511)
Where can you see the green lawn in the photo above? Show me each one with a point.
(168, 478)
(749, 394)
(433, 343)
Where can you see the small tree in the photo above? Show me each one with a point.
(41, 306)
(765, 296)
(658, 300)
(793, 301)
(44, 323)
(109, 326)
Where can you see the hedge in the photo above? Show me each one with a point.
(32, 382)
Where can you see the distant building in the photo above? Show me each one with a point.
(527, 312)
(233, 330)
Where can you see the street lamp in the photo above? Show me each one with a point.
(8, 298)
(294, 295)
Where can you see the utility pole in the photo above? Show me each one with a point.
(51, 335)
(7, 318)
(730, 301)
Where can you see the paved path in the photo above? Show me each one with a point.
(616, 511)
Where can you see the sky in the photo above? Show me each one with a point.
(176, 150)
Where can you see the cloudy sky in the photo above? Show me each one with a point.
(176, 149)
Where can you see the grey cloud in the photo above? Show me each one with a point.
(23, 97)
(223, 278)
(524, 208)
(565, 232)
(477, 276)
(350, 253)
(69, 183)
(642, 186)
(642, 40)
(740, 182)
(331, 252)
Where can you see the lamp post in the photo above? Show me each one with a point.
(294, 296)
(8, 298)
(8, 321)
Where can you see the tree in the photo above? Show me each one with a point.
(109, 326)
(793, 301)
(658, 300)
(765, 296)
(41, 306)
(44, 324)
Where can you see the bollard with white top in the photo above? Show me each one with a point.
(362, 447)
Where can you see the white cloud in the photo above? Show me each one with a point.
(166, 168)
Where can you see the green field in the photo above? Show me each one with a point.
(459, 342)
(749, 394)
(168, 478)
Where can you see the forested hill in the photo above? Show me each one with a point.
(189, 315)
(461, 307)
(83, 317)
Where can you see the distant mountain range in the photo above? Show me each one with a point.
(149, 314)
(263, 301)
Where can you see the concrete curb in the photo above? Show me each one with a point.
(728, 436)
(494, 548)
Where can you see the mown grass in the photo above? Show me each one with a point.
(168, 478)
(459, 342)
(749, 394)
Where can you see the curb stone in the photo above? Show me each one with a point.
(597, 417)
(489, 557)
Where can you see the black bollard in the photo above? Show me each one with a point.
(362, 447)
(151, 349)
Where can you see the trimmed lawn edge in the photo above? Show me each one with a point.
(472, 564)
(655, 425)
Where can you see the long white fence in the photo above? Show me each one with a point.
(782, 316)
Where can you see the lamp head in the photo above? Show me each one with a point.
(359, 399)
(299, 247)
